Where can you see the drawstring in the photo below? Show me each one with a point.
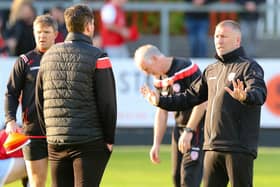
(36, 137)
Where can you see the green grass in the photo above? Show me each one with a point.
(267, 170)
(130, 166)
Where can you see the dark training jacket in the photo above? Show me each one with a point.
(183, 72)
(230, 125)
(75, 93)
(22, 84)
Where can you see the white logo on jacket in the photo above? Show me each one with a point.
(212, 78)
(231, 76)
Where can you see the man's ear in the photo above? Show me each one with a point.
(238, 40)
(87, 28)
(155, 58)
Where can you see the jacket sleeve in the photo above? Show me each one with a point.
(14, 88)
(39, 102)
(106, 97)
(196, 94)
(255, 85)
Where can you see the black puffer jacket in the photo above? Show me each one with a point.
(75, 93)
(229, 125)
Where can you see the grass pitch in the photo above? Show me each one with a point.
(130, 166)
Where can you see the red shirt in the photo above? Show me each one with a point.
(110, 38)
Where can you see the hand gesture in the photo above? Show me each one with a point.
(238, 92)
(184, 143)
(150, 95)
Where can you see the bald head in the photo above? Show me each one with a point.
(149, 59)
(144, 53)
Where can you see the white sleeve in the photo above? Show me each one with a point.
(108, 14)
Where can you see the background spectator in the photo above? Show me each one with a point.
(248, 23)
(4, 50)
(197, 26)
(114, 30)
(57, 13)
(19, 34)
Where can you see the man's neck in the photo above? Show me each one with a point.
(168, 63)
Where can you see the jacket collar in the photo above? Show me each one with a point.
(38, 52)
(71, 36)
(231, 56)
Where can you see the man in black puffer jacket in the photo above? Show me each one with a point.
(76, 102)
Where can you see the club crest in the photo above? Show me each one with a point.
(176, 87)
(231, 76)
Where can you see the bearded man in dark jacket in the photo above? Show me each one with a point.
(76, 102)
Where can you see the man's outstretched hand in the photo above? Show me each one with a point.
(239, 92)
(150, 95)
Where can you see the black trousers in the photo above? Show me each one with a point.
(221, 167)
(185, 171)
(80, 165)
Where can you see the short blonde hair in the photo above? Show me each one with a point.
(46, 20)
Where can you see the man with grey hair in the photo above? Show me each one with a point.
(235, 89)
(174, 75)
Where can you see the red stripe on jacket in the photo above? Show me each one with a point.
(103, 63)
(184, 73)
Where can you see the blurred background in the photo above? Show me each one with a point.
(161, 22)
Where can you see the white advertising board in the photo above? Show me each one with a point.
(134, 111)
(6, 65)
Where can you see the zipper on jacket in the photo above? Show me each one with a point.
(213, 104)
